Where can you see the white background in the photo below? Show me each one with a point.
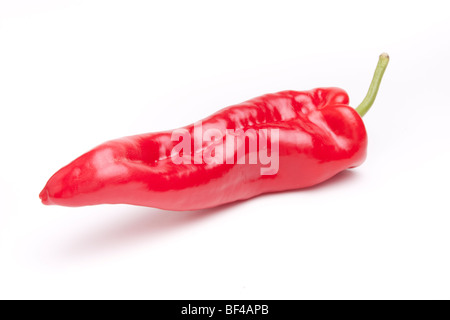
(76, 73)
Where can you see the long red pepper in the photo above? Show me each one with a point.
(311, 135)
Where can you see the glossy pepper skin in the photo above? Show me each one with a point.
(320, 135)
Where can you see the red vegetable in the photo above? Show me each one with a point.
(311, 136)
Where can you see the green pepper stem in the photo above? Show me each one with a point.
(374, 85)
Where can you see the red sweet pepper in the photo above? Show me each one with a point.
(313, 135)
